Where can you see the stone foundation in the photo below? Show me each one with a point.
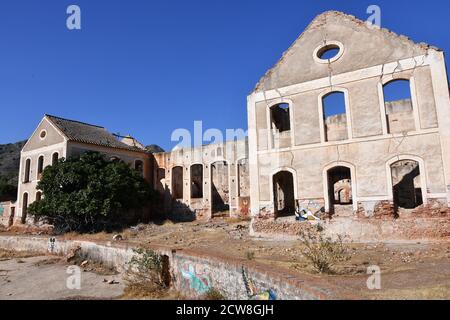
(375, 221)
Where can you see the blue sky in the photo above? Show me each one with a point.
(148, 67)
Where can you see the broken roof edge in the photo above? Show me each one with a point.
(258, 86)
(245, 139)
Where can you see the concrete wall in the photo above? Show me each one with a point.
(193, 274)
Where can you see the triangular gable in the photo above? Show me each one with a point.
(52, 136)
(363, 47)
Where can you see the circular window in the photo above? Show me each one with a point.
(43, 134)
(329, 52)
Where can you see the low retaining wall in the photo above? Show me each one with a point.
(194, 274)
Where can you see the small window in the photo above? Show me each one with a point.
(38, 196)
(398, 106)
(55, 158)
(280, 117)
(43, 134)
(139, 166)
(335, 117)
(328, 52)
(26, 177)
(40, 167)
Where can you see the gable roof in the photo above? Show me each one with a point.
(87, 133)
(328, 20)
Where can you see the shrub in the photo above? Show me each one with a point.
(323, 252)
(145, 274)
(250, 255)
(89, 193)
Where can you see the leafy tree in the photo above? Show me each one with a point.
(90, 193)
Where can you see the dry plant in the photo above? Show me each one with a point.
(323, 252)
(144, 276)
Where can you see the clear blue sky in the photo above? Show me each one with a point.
(149, 67)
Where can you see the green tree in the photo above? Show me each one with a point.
(89, 193)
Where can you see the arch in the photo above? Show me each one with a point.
(38, 195)
(40, 167)
(196, 181)
(397, 103)
(422, 172)
(139, 166)
(287, 134)
(326, 186)
(282, 180)
(27, 172)
(177, 177)
(334, 132)
(24, 207)
(55, 157)
(220, 186)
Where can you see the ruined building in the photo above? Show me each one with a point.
(328, 134)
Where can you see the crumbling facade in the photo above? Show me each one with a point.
(373, 158)
(205, 181)
(326, 137)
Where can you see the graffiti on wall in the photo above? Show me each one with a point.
(253, 293)
(244, 206)
(51, 245)
(196, 276)
(2, 210)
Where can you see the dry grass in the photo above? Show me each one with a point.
(11, 254)
(47, 261)
(429, 293)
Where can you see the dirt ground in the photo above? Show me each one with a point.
(412, 270)
(29, 276)
(408, 270)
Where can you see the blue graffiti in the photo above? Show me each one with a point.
(200, 283)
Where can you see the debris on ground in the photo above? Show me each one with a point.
(72, 255)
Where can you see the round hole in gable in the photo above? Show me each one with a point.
(329, 52)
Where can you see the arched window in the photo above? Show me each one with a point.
(335, 116)
(177, 182)
(24, 207)
(283, 194)
(38, 196)
(398, 106)
(220, 187)
(26, 177)
(280, 123)
(340, 193)
(139, 166)
(114, 159)
(55, 158)
(40, 167)
(406, 183)
(196, 181)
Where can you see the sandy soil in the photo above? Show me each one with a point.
(408, 270)
(33, 277)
